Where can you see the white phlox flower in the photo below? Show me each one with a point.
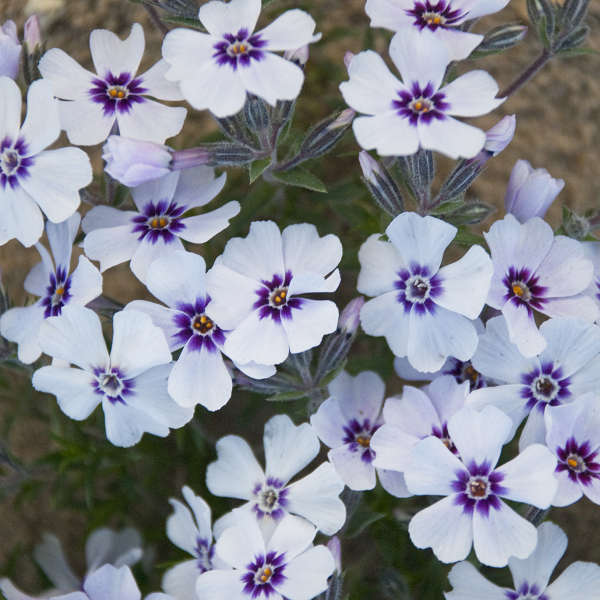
(417, 414)
(591, 251)
(568, 367)
(10, 50)
(425, 312)
(257, 287)
(284, 565)
(130, 383)
(216, 70)
(190, 530)
(346, 422)
(199, 375)
(56, 287)
(536, 271)
(442, 17)
(159, 222)
(531, 576)
(472, 512)
(419, 111)
(32, 178)
(288, 449)
(91, 103)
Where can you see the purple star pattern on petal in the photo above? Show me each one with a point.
(525, 591)
(113, 385)
(160, 220)
(117, 92)
(266, 571)
(435, 14)
(195, 328)
(545, 386)
(417, 288)
(271, 498)
(57, 293)
(273, 298)
(478, 488)
(421, 104)
(13, 162)
(358, 437)
(523, 289)
(204, 553)
(579, 460)
(239, 49)
(464, 371)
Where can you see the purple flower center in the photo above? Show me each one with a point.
(526, 591)
(443, 434)
(478, 488)
(261, 575)
(464, 371)
(421, 104)
(417, 289)
(195, 328)
(274, 300)
(270, 498)
(433, 14)
(13, 162)
(358, 436)
(239, 49)
(543, 386)
(522, 289)
(579, 461)
(204, 553)
(117, 92)
(112, 384)
(57, 293)
(159, 221)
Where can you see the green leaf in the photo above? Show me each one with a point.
(449, 206)
(466, 238)
(184, 22)
(332, 374)
(577, 52)
(287, 396)
(300, 177)
(257, 168)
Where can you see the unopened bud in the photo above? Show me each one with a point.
(225, 154)
(381, 184)
(10, 50)
(326, 134)
(574, 225)
(530, 192)
(470, 213)
(500, 135)
(256, 114)
(573, 39)
(348, 59)
(32, 35)
(298, 56)
(350, 317)
(573, 12)
(501, 38)
(133, 162)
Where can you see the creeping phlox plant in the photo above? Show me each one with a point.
(401, 467)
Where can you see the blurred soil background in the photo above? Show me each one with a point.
(558, 127)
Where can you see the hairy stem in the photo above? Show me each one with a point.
(527, 74)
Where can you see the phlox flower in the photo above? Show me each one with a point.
(288, 449)
(591, 251)
(257, 287)
(285, 565)
(31, 177)
(419, 111)
(536, 271)
(159, 224)
(531, 576)
(530, 192)
(190, 530)
(423, 311)
(56, 287)
(417, 414)
(199, 375)
(216, 70)
(346, 422)
(91, 103)
(131, 382)
(568, 367)
(472, 512)
(574, 437)
(443, 17)
(10, 50)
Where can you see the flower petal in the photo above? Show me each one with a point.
(451, 137)
(380, 263)
(113, 55)
(151, 121)
(388, 133)
(317, 561)
(309, 323)
(472, 94)
(292, 29)
(69, 80)
(42, 125)
(201, 228)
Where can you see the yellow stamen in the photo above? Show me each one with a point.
(418, 105)
(518, 290)
(112, 92)
(437, 20)
(60, 290)
(364, 441)
(572, 462)
(209, 325)
(283, 294)
(154, 222)
(203, 319)
(197, 325)
(162, 221)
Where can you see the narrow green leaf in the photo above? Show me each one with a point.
(287, 396)
(300, 177)
(257, 168)
(184, 22)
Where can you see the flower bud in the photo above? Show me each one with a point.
(133, 162)
(350, 318)
(501, 38)
(10, 50)
(348, 59)
(32, 36)
(256, 114)
(500, 135)
(530, 191)
(379, 182)
(326, 134)
(298, 56)
(335, 547)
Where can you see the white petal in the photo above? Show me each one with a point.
(356, 473)
(380, 263)
(13, 593)
(85, 122)
(447, 396)
(161, 317)
(328, 423)
(200, 377)
(157, 85)
(147, 252)
(138, 345)
(385, 316)
(221, 18)
(56, 177)
(433, 468)
(288, 448)
(180, 580)
(22, 325)
(151, 121)
(201, 228)
(86, 282)
(578, 581)
(178, 45)
(293, 29)
(359, 397)
(537, 568)
(272, 78)
(390, 14)
(107, 546)
(236, 471)
(487, 7)
(69, 80)
(198, 186)
(522, 329)
(38, 278)
(305, 250)
(451, 137)
(311, 282)
(220, 584)
(507, 398)
(126, 425)
(388, 133)
(50, 557)
(392, 447)
(580, 306)
(109, 582)
(472, 94)
(113, 55)
(500, 534)
(255, 370)
(393, 483)
(75, 336)
(111, 245)
(372, 87)
(405, 371)
(466, 282)
(469, 584)
(181, 528)
(61, 237)
(10, 109)
(534, 431)
(21, 216)
(201, 511)
(316, 498)
(291, 536)
(42, 126)
(445, 528)
(238, 545)
(459, 43)
(309, 323)
(317, 561)
(102, 217)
